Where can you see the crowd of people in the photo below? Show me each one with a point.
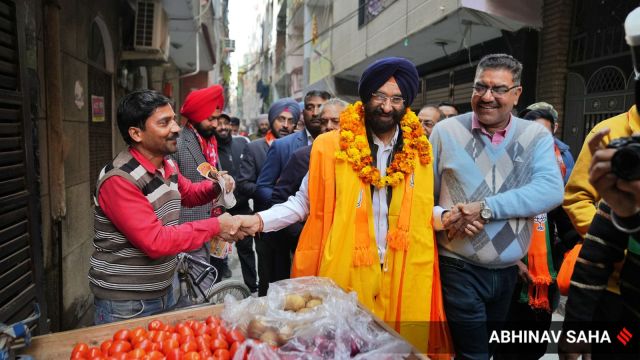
(447, 226)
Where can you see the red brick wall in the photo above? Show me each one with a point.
(553, 54)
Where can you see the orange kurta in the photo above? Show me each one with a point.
(338, 242)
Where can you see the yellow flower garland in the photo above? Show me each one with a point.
(354, 147)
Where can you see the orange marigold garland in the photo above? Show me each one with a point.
(354, 147)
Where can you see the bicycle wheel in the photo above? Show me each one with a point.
(235, 288)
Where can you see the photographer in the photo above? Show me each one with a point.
(612, 238)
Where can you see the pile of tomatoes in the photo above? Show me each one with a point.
(188, 340)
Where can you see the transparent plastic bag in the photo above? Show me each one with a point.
(335, 328)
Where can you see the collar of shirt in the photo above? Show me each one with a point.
(497, 137)
(147, 165)
(393, 142)
(309, 137)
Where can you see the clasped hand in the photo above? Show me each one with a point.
(463, 219)
(234, 228)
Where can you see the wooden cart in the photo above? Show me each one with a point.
(59, 345)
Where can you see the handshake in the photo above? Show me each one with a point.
(237, 227)
(463, 220)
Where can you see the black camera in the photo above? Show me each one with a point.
(625, 163)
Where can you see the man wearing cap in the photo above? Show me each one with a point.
(196, 145)
(369, 229)
(498, 169)
(552, 125)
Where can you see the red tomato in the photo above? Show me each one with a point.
(137, 339)
(144, 344)
(189, 346)
(222, 354)
(202, 343)
(219, 344)
(119, 346)
(155, 325)
(235, 335)
(167, 328)
(104, 347)
(184, 330)
(190, 323)
(118, 356)
(205, 353)
(159, 336)
(155, 355)
(219, 331)
(175, 336)
(200, 328)
(234, 348)
(94, 352)
(169, 344)
(154, 347)
(136, 354)
(174, 354)
(212, 321)
(139, 331)
(80, 350)
(187, 338)
(122, 334)
(192, 355)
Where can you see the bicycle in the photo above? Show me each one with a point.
(192, 272)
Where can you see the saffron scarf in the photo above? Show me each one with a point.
(269, 138)
(209, 147)
(539, 261)
(338, 242)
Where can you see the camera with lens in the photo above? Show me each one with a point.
(625, 162)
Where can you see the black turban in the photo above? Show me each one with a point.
(377, 74)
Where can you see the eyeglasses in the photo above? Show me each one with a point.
(498, 91)
(381, 98)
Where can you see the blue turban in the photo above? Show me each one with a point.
(281, 105)
(377, 74)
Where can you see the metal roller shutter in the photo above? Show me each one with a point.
(20, 240)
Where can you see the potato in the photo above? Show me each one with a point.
(286, 333)
(271, 337)
(294, 302)
(256, 328)
(303, 310)
(313, 303)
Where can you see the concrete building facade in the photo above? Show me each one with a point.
(65, 64)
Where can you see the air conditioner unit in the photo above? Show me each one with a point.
(151, 32)
(228, 45)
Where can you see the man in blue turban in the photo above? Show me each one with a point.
(387, 88)
(283, 117)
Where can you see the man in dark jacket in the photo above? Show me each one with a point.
(282, 116)
(230, 149)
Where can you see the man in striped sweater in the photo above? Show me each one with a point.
(492, 167)
(137, 208)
